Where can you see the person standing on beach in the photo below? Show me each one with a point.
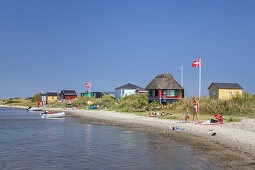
(195, 109)
(38, 104)
(69, 103)
(187, 115)
(164, 101)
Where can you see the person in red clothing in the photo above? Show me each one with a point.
(38, 104)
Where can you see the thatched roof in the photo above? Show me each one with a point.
(164, 81)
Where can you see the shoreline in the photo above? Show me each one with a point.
(232, 147)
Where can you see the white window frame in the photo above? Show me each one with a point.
(170, 93)
(230, 93)
(213, 93)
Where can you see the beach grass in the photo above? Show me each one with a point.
(233, 110)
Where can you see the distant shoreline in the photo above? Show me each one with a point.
(233, 144)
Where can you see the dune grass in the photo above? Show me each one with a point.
(233, 110)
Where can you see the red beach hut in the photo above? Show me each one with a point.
(164, 83)
(67, 94)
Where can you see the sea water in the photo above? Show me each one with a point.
(29, 142)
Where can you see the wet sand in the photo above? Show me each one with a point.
(233, 146)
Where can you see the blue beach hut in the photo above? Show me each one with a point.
(126, 90)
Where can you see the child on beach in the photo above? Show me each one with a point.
(187, 115)
(77, 106)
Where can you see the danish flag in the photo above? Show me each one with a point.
(196, 63)
(87, 85)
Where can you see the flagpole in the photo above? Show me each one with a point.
(182, 76)
(200, 76)
(90, 89)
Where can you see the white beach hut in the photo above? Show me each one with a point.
(126, 90)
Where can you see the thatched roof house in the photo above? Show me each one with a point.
(164, 84)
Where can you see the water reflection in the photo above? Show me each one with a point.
(64, 144)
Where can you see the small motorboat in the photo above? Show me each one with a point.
(35, 108)
(48, 114)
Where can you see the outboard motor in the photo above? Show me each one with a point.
(44, 113)
(29, 107)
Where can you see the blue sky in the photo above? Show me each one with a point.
(54, 45)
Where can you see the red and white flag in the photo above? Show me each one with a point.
(196, 63)
(87, 85)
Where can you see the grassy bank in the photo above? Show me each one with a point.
(233, 110)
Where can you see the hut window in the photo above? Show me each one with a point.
(213, 92)
(230, 93)
(122, 92)
(152, 93)
(170, 93)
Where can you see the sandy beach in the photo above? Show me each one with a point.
(233, 146)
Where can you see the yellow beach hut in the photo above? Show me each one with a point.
(51, 97)
(224, 90)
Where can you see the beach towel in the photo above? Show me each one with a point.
(93, 107)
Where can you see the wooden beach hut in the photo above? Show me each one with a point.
(67, 94)
(97, 94)
(126, 90)
(93, 94)
(88, 94)
(224, 90)
(164, 83)
(51, 97)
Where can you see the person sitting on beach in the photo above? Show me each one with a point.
(158, 114)
(195, 109)
(187, 115)
(77, 106)
(153, 114)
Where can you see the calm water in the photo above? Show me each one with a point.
(29, 142)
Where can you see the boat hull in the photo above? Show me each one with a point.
(35, 109)
(53, 115)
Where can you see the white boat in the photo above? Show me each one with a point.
(35, 108)
(47, 114)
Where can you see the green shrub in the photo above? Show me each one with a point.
(13, 101)
(36, 98)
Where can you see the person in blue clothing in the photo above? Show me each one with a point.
(164, 101)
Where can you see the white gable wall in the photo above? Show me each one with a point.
(124, 92)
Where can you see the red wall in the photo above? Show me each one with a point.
(70, 97)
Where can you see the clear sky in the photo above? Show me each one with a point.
(52, 45)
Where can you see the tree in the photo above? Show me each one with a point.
(36, 98)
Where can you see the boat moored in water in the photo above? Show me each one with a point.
(48, 114)
(35, 108)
